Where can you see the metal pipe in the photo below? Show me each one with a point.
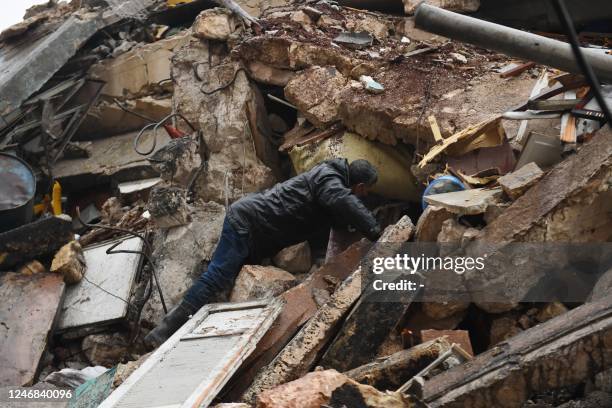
(509, 41)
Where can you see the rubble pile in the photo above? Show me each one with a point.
(134, 128)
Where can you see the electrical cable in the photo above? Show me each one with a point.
(155, 126)
(585, 67)
(145, 254)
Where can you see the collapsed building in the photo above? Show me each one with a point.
(129, 127)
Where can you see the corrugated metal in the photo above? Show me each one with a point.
(194, 364)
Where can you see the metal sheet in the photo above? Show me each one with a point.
(28, 309)
(193, 365)
(18, 182)
(26, 68)
(109, 278)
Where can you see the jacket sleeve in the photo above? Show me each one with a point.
(344, 205)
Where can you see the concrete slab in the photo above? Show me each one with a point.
(466, 202)
(27, 313)
(111, 158)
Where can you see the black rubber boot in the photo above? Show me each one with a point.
(171, 323)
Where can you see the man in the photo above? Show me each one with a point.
(259, 225)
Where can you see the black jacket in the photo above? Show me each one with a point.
(290, 212)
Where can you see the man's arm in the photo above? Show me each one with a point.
(344, 205)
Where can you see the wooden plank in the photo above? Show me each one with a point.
(540, 85)
(435, 129)
(393, 371)
(298, 309)
(97, 299)
(561, 352)
(28, 310)
(301, 353)
(188, 371)
(359, 338)
(518, 70)
(487, 133)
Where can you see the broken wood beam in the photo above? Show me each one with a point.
(518, 70)
(392, 371)
(301, 354)
(358, 341)
(561, 352)
(299, 307)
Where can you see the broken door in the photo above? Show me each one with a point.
(191, 367)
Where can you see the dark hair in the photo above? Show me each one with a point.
(361, 171)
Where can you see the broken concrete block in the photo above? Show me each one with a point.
(295, 259)
(440, 311)
(328, 388)
(515, 184)
(181, 253)
(107, 119)
(503, 328)
(32, 268)
(451, 233)
(311, 391)
(168, 206)
(315, 92)
(139, 71)
(377, 27)
(460, 337)
(355, 40)
(105, 349)
(466, 202)
(458, 6)
(302, 18)
(112, 159)
(430, 223)
(178, 160)
(266, 74)
(214, 24)
(391, 372)
(371, 85)
(551, 311)
(70, 262)
(258, 282)
(365, 396)
(233, 167)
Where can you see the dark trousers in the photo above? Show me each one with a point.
(229, 257)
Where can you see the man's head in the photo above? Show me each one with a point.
(362, 176)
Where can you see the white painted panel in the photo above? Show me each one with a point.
(108, 279)
(191, 367)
